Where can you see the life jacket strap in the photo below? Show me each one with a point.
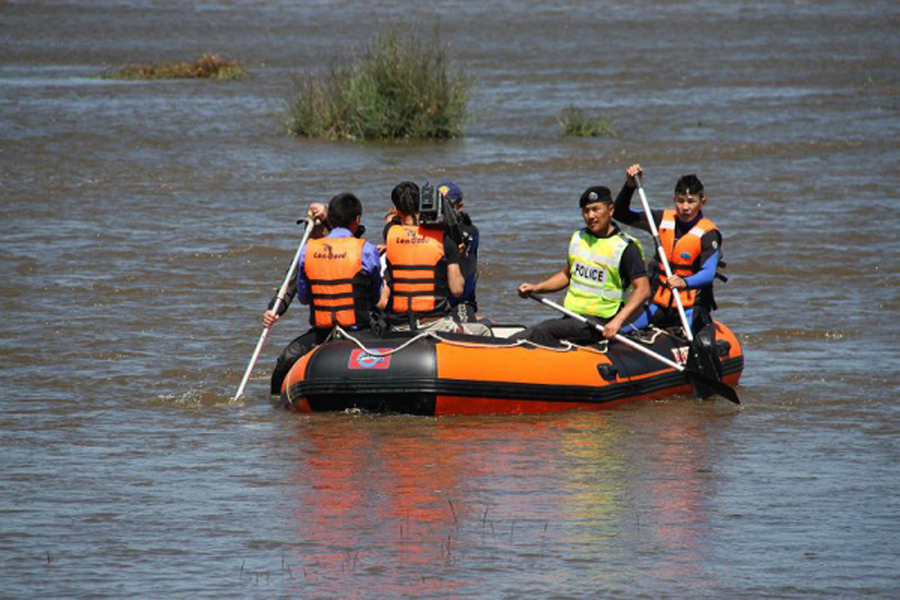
(412, 294)
(432, 268)
(348, 281)
(332, 296)
(413, 281)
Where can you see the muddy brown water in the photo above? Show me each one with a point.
(145, 224)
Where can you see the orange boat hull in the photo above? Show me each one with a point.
(464, 375)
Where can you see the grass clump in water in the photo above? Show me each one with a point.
(574, 122)
(400, 88)
(208, 66)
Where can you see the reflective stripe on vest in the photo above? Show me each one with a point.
(338, 284)
(418, 271)
(682, 256)
(595, 285)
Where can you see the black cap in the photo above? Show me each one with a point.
(596, 193)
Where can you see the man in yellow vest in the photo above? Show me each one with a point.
(603, 263)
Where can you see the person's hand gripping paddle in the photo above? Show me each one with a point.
(699, 360)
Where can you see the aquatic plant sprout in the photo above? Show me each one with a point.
(401, 87)
(208, 66)
(574, 122)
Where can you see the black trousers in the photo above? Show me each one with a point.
(292, 353)
(550, 332)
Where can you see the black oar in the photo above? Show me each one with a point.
(698, 356)
(716, 386)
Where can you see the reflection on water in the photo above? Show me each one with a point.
(402, 505)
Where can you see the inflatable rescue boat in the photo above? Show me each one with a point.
(424, 373)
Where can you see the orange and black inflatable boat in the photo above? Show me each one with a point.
(457, 374)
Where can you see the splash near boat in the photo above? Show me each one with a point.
(427, 373)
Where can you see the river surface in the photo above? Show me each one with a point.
(144, 226)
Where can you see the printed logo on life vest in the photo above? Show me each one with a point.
(360, 359)
(592, 273)
(686, 255)
(329, 253)
(681, 354)
(412, 238)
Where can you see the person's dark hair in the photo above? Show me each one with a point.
(343, 210)
(405, 197)
(689, 184)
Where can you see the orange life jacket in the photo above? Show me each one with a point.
(417, 270)
(338, 285)
(683, 257)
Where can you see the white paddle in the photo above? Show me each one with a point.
(278, 301)
(664, 260)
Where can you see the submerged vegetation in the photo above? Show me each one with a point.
(401, 87)
(208, 66)
(574, 122)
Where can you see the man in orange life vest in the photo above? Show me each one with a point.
(339, 276)
(693, 247)
(603, 262)
(422, 270)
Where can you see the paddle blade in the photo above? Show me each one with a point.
(702, 358)
(706, 385)
(694, 366)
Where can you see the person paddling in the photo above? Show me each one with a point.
(603, 263)
(338, 276)
(693, 247)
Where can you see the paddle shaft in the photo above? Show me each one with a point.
(279, 300)
(618, 338)
(720, 388)
(663, 259)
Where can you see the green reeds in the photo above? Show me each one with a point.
(574, 122)
(208, 66)
(401, 87)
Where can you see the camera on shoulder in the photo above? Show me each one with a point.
(435, 211)
(431, 206)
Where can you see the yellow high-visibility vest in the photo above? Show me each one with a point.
(595, 286)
